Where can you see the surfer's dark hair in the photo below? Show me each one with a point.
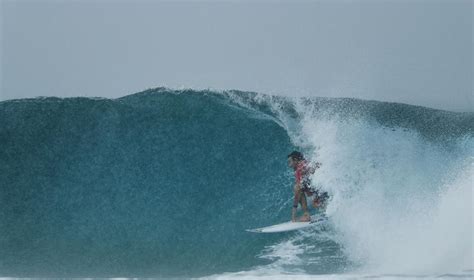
(296, 156)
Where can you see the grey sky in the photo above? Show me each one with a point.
(416, 52)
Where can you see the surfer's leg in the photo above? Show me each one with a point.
(316, 202)
(304, 205)
(320, 200)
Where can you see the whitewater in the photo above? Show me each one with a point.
(163, 183)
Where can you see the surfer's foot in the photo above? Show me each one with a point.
(305, 218)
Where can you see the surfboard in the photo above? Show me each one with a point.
(290, 226)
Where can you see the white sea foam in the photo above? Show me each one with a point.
(401, 204)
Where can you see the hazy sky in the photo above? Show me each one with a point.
(416, 52)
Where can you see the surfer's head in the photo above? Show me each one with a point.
(294, 158)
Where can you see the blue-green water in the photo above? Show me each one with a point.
(164, 183)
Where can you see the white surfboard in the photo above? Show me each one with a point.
(290, 226)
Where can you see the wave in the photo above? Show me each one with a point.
(163, 183)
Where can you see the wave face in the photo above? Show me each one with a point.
(164, 183)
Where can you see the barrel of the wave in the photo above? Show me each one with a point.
(138, 186)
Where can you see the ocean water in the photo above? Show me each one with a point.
(163, 183)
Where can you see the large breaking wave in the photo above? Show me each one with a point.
(164, 183)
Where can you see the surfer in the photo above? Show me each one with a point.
(303, 172)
